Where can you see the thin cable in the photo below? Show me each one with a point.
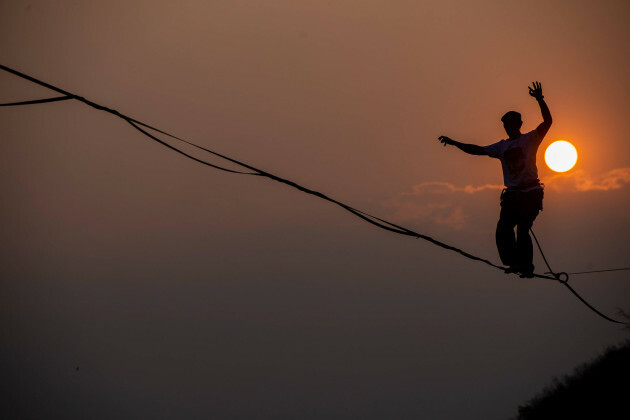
(40, 101)
(602, 271)
(383, 224)
(182, 152)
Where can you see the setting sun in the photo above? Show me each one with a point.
(561, 156)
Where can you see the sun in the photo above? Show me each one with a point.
(561, 156)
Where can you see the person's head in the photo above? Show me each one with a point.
(512, 123)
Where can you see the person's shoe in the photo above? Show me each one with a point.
(527, 273)
(511, 270)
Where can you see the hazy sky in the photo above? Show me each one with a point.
(184, 292)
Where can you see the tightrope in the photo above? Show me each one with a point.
(381, 223)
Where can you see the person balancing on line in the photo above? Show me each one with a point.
(521, 200)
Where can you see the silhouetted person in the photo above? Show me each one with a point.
(521, 200)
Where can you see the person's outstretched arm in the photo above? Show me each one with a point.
(471, 149)
(536, 92)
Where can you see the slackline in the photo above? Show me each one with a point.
(381, 223)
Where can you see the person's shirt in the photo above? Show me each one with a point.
(518, 160)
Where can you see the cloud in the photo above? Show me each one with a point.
(443, 188)
(433, 201)
(579, 181)
(575, 181)
(440, 213)
(454, 218)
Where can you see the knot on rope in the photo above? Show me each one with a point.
(562, 276)
(559, 276)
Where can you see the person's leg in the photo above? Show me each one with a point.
(506, 242)
(524, 248)
(530, 206)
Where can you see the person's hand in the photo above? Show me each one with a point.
(536, 90)
(445, 140)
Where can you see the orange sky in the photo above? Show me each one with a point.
(117, 247)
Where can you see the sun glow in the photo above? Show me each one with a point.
(561, 156)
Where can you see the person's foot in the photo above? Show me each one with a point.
(511, 269)
(528, 272)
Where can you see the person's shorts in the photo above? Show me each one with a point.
(526, 202)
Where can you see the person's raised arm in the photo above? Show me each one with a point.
(536, 92)
(471, 149)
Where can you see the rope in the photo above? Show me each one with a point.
(68, 95)
(559, 276)
(381, 223)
